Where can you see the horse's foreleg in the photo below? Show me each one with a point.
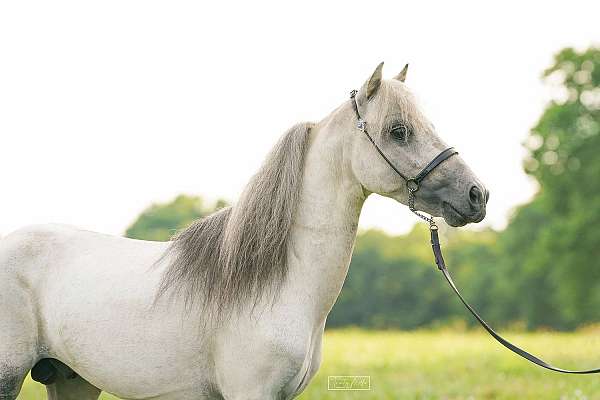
(72, 389)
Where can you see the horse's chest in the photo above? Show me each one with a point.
(282, 359)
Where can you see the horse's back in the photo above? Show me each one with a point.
(39, 254)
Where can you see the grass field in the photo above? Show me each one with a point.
(447, 365)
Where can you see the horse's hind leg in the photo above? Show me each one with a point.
(11, 380)
(17, 355)
(18, 347)
(72, 389)
(16, 358)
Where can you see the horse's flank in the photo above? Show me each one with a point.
(238, 255)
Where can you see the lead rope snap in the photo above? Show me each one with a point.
(433, 228)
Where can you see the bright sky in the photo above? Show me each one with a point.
(108, 106)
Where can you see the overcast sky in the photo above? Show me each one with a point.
(106, 107)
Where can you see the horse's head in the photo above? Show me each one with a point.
(409, 141)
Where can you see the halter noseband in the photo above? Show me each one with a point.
(412, 184)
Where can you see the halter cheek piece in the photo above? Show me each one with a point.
(413, 184)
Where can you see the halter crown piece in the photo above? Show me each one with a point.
(412, 185)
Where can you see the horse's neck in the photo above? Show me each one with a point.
(325, 226)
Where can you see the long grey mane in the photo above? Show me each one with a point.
(239, 254)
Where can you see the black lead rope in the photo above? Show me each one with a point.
(412, 185)
(439, 260)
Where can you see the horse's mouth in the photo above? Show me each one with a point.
(455, 218)
(452, 216)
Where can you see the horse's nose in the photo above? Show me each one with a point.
(478, 197)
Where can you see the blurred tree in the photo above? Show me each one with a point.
(552, 245)
(161, 221)
(393, 283)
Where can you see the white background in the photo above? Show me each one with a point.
(108, 106)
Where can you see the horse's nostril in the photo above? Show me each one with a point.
(475, 196)
(478, 198)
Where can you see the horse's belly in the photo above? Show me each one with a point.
(134, 357)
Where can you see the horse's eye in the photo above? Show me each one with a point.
(399, 132)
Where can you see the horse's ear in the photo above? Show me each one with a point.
(402, 75)
(372, 84)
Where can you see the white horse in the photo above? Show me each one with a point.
(235, 306)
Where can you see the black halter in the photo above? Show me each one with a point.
(412, 184)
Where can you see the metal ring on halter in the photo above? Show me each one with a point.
(412, 185)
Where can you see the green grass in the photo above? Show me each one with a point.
(447, 365)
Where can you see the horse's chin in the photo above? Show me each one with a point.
(452, 216)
